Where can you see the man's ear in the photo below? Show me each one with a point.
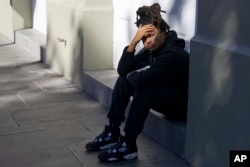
(164, 33)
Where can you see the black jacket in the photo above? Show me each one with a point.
(168, 65)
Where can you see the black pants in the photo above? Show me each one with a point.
(170, 102)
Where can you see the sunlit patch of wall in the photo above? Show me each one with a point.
(79, 36)
(15, 15)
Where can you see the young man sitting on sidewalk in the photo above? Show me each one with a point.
(156, 77)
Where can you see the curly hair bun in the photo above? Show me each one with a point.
(151, 15)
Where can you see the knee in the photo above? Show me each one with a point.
(123, 84)
(122, 81)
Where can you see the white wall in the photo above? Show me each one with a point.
(180, 15)
(39, 15)
(6, 19)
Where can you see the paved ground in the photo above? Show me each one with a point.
(45, 120)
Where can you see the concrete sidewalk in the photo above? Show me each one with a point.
(45, 120)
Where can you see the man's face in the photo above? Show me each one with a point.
(154, 39)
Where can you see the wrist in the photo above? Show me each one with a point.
(131, 47)
(134, 41)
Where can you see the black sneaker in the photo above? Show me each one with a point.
(118, 152)
(105, 140)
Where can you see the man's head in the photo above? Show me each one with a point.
(150, 16)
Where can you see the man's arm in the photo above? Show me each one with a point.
(130, 62)
(141, 32)
(164, 69)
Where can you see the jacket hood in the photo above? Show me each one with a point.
(173, 39)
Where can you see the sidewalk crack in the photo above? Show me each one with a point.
(22, 99)
(76, 156)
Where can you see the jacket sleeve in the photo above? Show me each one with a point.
(130, 62)
(167, 66)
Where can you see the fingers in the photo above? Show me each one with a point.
(143, 31)
(148, 28)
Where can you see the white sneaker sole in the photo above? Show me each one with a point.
(107, 146)
(131, 156)
(126, 157)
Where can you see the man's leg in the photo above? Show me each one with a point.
(171, 102)
(126, 147)
(111, 134)
(137, 114)
(164, 98)
(120, 98)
